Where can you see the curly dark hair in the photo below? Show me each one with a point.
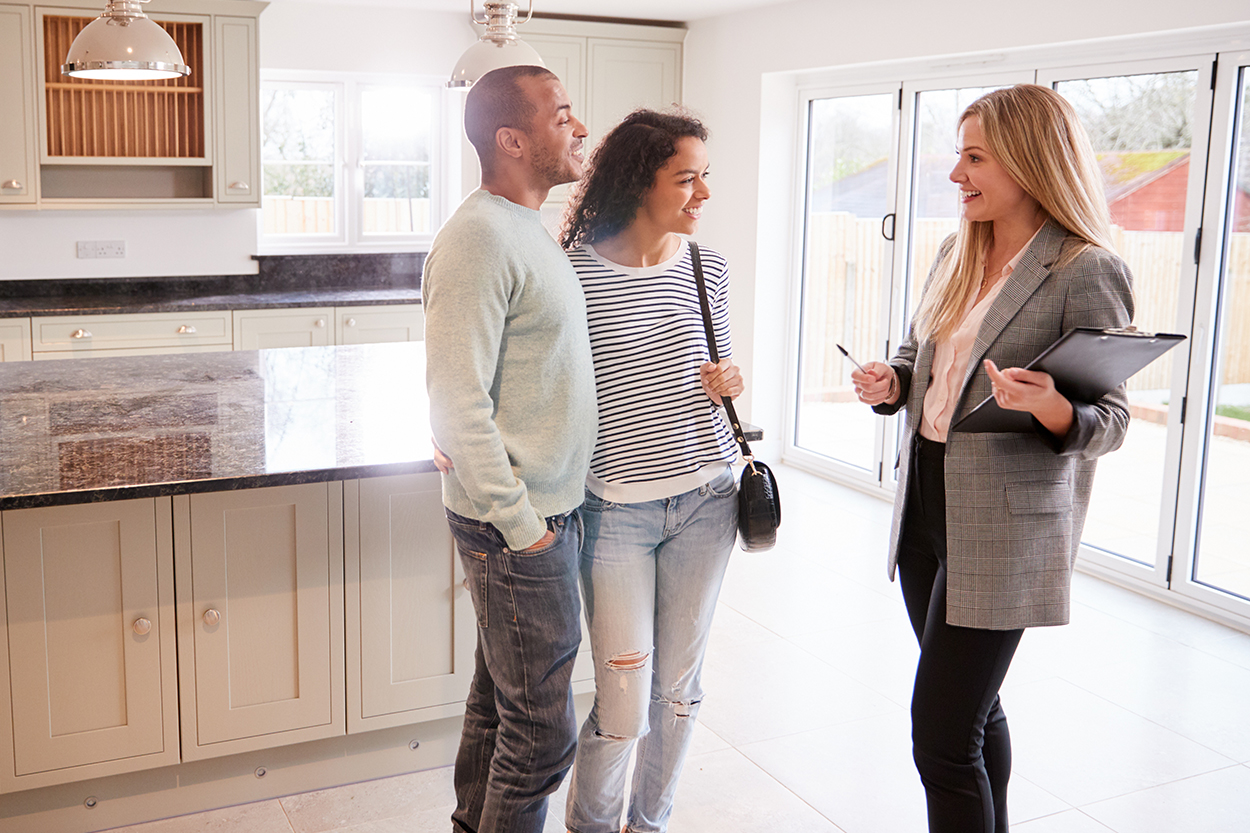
(622, 170)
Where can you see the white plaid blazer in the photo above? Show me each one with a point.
(1016, 503)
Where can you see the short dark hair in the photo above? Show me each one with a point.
(621, 172)
(497, 100)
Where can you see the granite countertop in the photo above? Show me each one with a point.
(87, 430)
(282, 281)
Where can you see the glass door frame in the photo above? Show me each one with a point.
(870, 480)
(1205, 340)
(1169, 533)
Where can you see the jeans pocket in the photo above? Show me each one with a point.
(723, 485)
(593, 503)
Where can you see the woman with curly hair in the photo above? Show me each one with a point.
(660, 511)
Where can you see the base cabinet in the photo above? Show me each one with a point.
(411, 630)
(87, 610)
(259, 583)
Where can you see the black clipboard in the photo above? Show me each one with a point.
(1085, 363)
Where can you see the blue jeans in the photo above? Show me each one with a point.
(651, 573)
(519, 725)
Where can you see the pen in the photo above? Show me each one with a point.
(848, 356)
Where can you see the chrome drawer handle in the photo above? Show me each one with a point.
(211, 617)
(351, 322)
(143, 627)
(320, 322)
(187, 329)
(239, 185)
(80, 334)
(12, 185)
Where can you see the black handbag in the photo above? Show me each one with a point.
(759, 501)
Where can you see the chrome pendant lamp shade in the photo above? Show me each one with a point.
(124, 44)
(498, 47)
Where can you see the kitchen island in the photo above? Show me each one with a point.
(226, 577)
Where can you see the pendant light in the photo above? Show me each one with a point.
(124, 44)
(498, 47)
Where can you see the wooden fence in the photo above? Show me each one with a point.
(842, 302)
(315, 215)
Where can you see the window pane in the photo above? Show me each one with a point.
(847, 197)
(396, 124)
(1141, 131)
(1223, 557)
(297, 150)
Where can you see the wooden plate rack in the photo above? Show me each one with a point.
(123, 119)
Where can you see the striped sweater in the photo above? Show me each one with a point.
(659, 433)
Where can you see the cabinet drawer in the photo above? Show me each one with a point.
(140, 330)
(379, 324)
(14, 339)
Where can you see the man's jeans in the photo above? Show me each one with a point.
(651, 573)
(520, 730)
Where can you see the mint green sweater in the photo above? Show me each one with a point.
(508, 368)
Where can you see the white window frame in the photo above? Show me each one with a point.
(349, 235)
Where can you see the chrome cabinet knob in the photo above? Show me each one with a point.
(320, 322)
(142, 626)
(11, 185)
(187, 329)
(211, 617)
(351, 322)
(80, 334)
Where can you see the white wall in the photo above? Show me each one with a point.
(293, 35)
(727, 65)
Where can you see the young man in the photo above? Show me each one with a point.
(512, 402)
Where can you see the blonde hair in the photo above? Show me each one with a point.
(1034, 133)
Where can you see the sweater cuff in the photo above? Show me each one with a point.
(521, 530)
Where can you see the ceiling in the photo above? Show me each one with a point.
(683, 10)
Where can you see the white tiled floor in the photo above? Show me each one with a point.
(1132, 719)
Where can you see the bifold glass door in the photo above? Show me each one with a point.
(849, 201)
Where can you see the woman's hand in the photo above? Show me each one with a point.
(1017, 389)
(721, 379)
(876, 384)
(441, 461)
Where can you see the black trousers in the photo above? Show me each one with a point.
(960, 740)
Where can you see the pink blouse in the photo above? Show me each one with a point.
(950, 360)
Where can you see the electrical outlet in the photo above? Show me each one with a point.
(110, 248)
(101, 248)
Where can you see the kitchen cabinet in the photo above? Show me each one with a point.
(411, 629)
(259, 583)
(261, 329)
(379, 324)
(186, 142)
(609, 69)
(130, 334)
(14, 339)
(17, 107)
(86, 603)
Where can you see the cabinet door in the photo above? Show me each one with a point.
(88, 601)
(238, 89)
(17, 111)
(257, 329)
(627, 74)
(411, 625)
(380, 324)
(14, 339)
(260, 614)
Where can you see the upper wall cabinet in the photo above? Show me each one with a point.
(183, 142)
(609, 69)
(17, 107)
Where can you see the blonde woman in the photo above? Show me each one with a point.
(986, 526)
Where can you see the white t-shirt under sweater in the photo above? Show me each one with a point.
(659, 433)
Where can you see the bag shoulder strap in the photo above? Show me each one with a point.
(734, 423)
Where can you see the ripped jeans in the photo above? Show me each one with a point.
(651, 573)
